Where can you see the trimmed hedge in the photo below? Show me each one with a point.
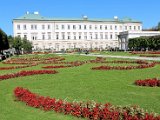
(152, 42)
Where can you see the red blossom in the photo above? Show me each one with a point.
(148, 82)
(149, 52)
(60, 66)
(27, 73)
(96, 112)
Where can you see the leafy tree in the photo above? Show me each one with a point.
(10, 40)
(152, 42)
(6, 43)
(27, 46)
(158, 26)
(17, 44)
(131, 44)
(21, 44)
(143, 42)
(3, 41)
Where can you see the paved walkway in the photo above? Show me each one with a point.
(128, 57)
(117, 56)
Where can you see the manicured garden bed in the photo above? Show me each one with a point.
(151, 82)
(78, 83)
(90, 110)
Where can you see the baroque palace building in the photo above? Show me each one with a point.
(63, 33)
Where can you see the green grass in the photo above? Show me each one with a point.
(124, 54)
(81, 84)
(116, 53)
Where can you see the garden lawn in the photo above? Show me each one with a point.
(117, 53)
(79, 84)
(122, 53)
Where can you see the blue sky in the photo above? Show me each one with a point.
(147, 11)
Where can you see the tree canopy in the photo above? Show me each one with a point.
(27, 46)
(3, 41)
(150, 43)
(158, 26)
(17, 44)
(21, 44)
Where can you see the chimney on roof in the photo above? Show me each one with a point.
(85, 17)
(36, 13)
(27, 12)
(116, 18)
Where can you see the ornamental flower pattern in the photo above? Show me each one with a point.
(34, 60)
(149, 55)
(16, 67)
(152, 82)
(149, 52)
(141, 66)
(26, 73)
(89, 110)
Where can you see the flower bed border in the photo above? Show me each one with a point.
(26, 73)
(16, 67)
(50, 67)
(89, 110)
(34, 60)
(151, 82)
(149, 52)
(149, 55)
(141, 66)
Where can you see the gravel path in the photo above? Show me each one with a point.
(128, 57)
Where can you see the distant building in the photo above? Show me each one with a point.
(68, 33)
(125, 36)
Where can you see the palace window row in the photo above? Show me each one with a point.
(73, 36)
(35, 36)
(96, 27)
(85, 35)
(33, 27)
(79, 27)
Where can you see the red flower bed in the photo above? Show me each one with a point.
(157, 62)
(18, 62)
(89, 110)
(149, 52)
(71, 64)
(98, 60)
(149, 56)
(41, 52)
(27, 73)
(120, 61)
(16, 67)
(34, 60)
(60, 66)
(26, 59)
(148, 82)
(21, 61)
(141, 66)
(77, 63)
(55, 59)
